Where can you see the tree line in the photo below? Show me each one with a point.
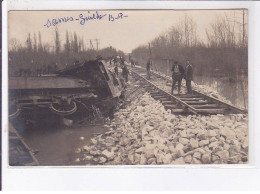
(223, 53)
(35, 58)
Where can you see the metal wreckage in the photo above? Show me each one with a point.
(80, 91)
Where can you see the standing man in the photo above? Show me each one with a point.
(125, 73)
(148, 68)
(116, 64)
(188, 76)
(177, 75)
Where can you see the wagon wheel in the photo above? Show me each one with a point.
(14, 111)
(64, 108)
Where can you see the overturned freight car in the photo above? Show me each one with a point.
(80, 90)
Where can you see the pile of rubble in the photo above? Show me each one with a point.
(146, 134)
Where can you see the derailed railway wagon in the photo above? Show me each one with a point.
(87, 88)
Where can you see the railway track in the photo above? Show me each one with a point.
(195, 103)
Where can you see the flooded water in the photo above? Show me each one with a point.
(56, 145)
(234, 90)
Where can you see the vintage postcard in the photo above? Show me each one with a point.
(128, 87)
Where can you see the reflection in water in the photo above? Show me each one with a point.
(234, 90)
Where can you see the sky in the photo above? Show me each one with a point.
(130, 30)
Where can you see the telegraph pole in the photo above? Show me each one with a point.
(91, 43)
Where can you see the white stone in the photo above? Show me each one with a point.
(235, 148)
(102, 160)
(188, 159)
(167, 159)
(215, 157)
(179, 161)
(235, 159)
(109, 155)
(159, 158)
(131, 158)
(226, 146)
(195, 161)
(240, 134)
(81, 138)
(88, 158)
(212, 133)
(139, 150)
(67, 122)
(206, 158)
(229, 134)
(213, 139)
(197, 155)
(179, 146)
(77, 160)
(149, 150)
(184, 141)
(203, 143)
(245, 143)
(222, 139)
(86, 148)
(151, 160)
(213, 144)
(78, 150)
(194, 143)
(224, 155)
(235, 142)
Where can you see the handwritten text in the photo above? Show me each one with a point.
(83, 19)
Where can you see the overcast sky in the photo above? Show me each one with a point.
(139, 27)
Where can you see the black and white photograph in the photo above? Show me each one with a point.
(128, 87)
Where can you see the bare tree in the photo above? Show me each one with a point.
(189, 31)
(75, 43)
(14, 44)
(34, 43)
(40, 42)
(29, 42)
(57, 41)
(67, 44)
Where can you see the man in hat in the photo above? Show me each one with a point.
(148, 68)
(188, 76)
(116, 64)
(125, 73)
(177, 75)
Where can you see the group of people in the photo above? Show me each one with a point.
(178, 73)
(120, 62)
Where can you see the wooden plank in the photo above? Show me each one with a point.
(171, 106)
(199, 103)
(186, 96)
(154, 93)
(211, 111)
(164, 98)
(178, 111)
(168, 102)
(206, 106)
(192, 99)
